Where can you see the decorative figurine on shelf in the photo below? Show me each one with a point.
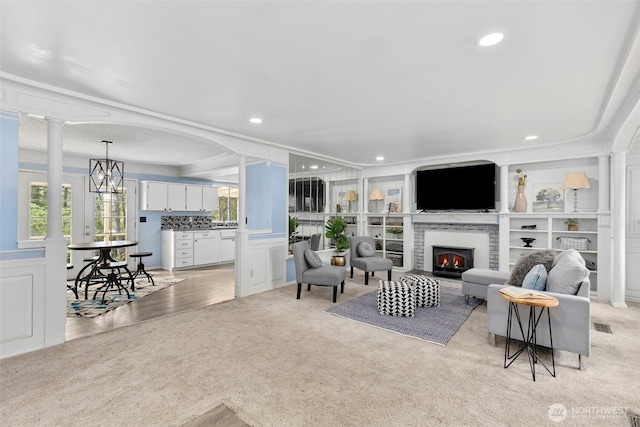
(527, 241)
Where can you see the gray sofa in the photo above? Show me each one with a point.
(476, 281)
(570, 320)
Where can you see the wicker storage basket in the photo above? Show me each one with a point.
(577, 243)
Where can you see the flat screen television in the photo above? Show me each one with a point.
(457, 188)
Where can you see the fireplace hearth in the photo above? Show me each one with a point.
(451, 261)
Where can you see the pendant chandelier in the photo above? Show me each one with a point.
(106, 175)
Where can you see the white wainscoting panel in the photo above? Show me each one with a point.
(276, 255)
(266, 267)
(22, 307)
(258, 266)
(633, 274)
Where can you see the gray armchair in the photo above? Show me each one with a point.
(315, 242)
(324, 275)
(369, 264)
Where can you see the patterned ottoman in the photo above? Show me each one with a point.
(427, 289)
(396, 299)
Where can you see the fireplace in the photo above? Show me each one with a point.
(451, 261)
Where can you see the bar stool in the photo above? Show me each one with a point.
(73, 288)
(114, 280)
(92, 276)
(140, 269)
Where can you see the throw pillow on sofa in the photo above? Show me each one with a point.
(312, 258)
(568, 273)
(527, 262)
(536, 278)
(365, 249)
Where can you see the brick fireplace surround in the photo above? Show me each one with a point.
(419, 229)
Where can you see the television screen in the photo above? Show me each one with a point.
(456, 188)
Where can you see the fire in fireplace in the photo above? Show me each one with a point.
(451, 261)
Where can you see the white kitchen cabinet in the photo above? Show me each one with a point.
(227, 245)
(163, 196)
(153, 196)
(176, 197)
(203, 199)
(194, 198)
(209, 199)
(177, 249)
(193, 248)
(206, 247)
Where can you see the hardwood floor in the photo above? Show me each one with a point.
(201, 287)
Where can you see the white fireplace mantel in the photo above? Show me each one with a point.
(457, 217)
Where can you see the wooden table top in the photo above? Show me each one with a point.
(528, 297)
(103, 245)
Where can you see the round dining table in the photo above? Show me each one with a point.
(91, 273)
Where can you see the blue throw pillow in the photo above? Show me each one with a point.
(536, 278)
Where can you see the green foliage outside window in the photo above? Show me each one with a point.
(38, 213)
(227, 205)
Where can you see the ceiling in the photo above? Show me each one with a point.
(349, 80)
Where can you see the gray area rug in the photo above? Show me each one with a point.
(433, 324)
(220, 416)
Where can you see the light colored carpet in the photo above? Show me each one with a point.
(220, 416)
(278, 361)
(433, 324)
(113, 299)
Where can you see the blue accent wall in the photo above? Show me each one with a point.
(8, 181)
(267, 199)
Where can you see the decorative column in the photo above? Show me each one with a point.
(618, 210)
(504, 189)
(406, 204)
(243, 272)
(55, 245)
(603, 190)
(54, 178)
(365, 195)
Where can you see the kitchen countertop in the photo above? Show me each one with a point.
(222, 227)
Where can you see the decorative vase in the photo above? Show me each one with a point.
(521, 201)
(338, 260)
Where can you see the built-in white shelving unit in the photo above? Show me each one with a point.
(388, 244)
(548, 230)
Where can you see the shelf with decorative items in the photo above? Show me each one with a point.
(557, 232)
(351, 221)
(388, 234)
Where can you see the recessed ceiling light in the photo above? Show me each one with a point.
(255, 120)
(380, 158)
(491, 39)
(314, 166)
(531, 137)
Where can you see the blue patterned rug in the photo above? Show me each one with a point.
(92, 308)
(433, 324)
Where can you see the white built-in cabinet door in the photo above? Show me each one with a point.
(176, 197)
(163, 196)
(206, 247)
(209, 199)
(194, 198)
(154, 196)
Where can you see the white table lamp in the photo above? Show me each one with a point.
(375, 196)
(575, 181)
